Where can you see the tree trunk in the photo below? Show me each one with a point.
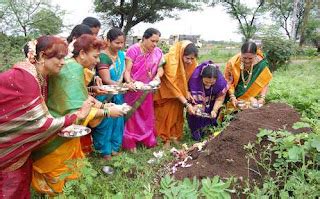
(305, 19)
(294, 20)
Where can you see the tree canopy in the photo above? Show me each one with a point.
(30, 17)
(126, 14)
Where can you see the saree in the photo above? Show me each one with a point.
(205, 97)
(107, 136)
(58, 157)
(140, 125)
(174, 83)
(25, 123)
(261, 76)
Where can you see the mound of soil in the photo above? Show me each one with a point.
(224, 155)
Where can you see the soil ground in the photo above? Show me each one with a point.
(225, 156)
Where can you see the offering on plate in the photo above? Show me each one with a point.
(200, 111)
(142, 86)
(125, 108)
(114, 89)
(74, 131)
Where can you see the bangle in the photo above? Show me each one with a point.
(106, 113)
(102, 106)
(186, 104)
(90, 89)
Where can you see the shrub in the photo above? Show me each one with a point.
(278, 51)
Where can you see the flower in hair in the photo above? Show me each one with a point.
(32, 50)
(70, 49)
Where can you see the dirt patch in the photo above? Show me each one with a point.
(224, 156)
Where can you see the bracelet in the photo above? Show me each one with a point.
(102, 105)
(90, 89)
(186, 104)
(106, 113)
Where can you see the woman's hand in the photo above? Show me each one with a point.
(98, 81)
(83, 112)
(234, 101)
(213, 114)
(190, 109)
(98, 91)
(261, 101)
(190, 98)
(115, 112)
(130, 85)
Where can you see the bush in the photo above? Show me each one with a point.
(278, 51)
(11, 50)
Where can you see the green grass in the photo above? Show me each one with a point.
(135, 178)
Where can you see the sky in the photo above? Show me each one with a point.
(212, 23)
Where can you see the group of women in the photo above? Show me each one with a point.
(59, 85)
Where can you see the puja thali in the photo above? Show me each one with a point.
(140, 86)
(74, 131)
(114, 89)
(125, 108)
(245, 105)
(200, 112)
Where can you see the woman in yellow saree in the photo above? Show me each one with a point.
(248, 76)
(55, 162)
(173, 94)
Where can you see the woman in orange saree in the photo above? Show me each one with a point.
(173, 94)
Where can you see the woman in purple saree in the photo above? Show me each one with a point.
(208, 89)
(143, 60)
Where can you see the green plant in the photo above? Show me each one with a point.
(216, 188)
(278, 51)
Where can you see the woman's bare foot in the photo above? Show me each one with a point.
(166, 144)
(107, 157)
(133, 150)
(114, 153)
(175, 141)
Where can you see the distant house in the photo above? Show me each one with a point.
(193, 38)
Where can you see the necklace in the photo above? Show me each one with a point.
(246, 81)
(116, 62)
(210, 98)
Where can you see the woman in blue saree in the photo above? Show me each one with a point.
(107, 137)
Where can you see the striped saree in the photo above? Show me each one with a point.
(24, 124)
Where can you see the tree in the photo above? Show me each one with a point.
(246, 17)
(30, 16)
(46, 22)
(126, 14)
(288, 14)
(305, 21)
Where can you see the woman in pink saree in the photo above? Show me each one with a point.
(143, 61)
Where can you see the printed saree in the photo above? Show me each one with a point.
(140, 125)
(25, 123)
(174, 83)
(205, 97)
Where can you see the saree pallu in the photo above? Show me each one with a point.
(25, 123)
(140, 125)
(57, 161)
(107, 136)
(205, 97)
(261, 76)
(174, 83)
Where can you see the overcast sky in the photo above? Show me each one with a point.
(211, 23)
